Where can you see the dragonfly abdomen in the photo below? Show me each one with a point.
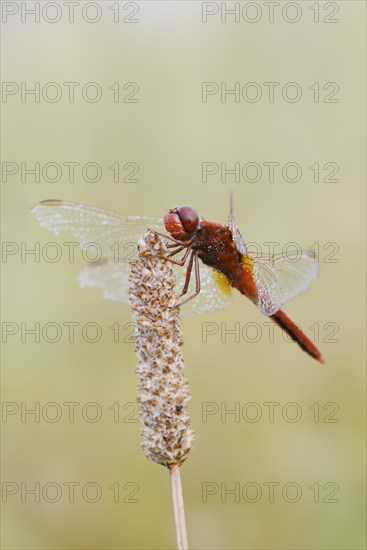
(243, 280)
(297, 335)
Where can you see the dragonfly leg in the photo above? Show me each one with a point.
(188, 274)
(179, 262)
(194, 258)
(173, 245)
(178, 249)
(168, 237)
(179, 245)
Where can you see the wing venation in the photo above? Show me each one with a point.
(282, 277)
(116, 236)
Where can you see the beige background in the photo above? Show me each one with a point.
(170, 132)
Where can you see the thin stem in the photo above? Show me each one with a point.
(178, 508)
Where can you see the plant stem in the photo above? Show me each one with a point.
(178, 507)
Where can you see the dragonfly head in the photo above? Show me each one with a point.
(181, 222)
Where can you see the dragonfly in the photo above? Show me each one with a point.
(215, 254)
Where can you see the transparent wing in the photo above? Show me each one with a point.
(279, 278)
(215, 292)
(117, 235)
(114, 234)
(237, 237)
(113, 279)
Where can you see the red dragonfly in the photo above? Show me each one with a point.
(268, 281)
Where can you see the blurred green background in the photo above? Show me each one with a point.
(169, 133)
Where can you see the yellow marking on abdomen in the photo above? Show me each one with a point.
(248, 263)
(222, 281)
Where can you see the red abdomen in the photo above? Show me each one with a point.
(216, 248)
(297, 335)
(244, 282)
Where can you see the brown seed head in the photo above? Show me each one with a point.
(163, 390)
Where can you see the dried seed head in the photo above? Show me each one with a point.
(163, 390)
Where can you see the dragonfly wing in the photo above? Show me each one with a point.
(115, 235)
(215, 292)
(282, 277)
(236, 235)
(113, 279)
(113, 232)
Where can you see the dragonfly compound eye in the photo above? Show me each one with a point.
(188, 217)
